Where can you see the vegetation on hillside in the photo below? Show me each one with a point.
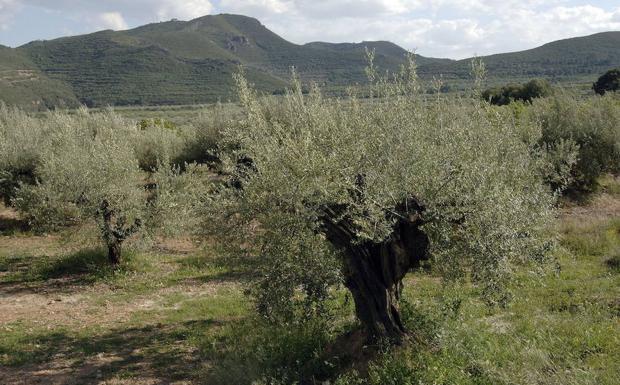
(178, 62)
(23, 83)
(559, 60)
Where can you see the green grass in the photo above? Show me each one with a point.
(559, 329)
(183, 317)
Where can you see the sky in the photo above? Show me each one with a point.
(438, 28)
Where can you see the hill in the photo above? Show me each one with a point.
(189, 62)
(178, 62)
(22, 83)
(562, 60)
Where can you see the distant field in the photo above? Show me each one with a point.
(184, 114)
(173, 314)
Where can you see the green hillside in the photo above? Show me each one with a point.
(189, 62)
(562, 60)
(21, 82)
(119, 68)
(179, 62)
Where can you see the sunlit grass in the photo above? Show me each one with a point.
(184, 317)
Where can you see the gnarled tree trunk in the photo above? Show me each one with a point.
(374, 271)
(114, 231)
(114, 253)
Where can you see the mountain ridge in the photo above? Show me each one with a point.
(190, 62)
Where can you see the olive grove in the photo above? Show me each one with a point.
(67, 169)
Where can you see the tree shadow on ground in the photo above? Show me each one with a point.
(28, 273)
(252, 351)
(156, 353)
(219, 270)
(613, 263)
(11, 226)
(10, 223)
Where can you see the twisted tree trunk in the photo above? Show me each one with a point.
(114, 231)
(114, 253)
(374, 271)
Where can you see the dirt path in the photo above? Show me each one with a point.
(126, 328)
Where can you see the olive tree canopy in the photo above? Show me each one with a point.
(84, 167)
(360, 191)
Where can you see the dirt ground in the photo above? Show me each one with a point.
(122, 329)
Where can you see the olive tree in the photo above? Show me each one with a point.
(361, 191)
(88, 169)
(592, 125)
(21, 141)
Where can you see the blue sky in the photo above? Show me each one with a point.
(440, 28)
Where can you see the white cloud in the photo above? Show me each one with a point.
(328, 9)
(443, 28)
(8, 8)
(258, 8)
(112, 20)
(456, 32)
(190, 9)
(447, 28)
(320, 9)
(139, 9)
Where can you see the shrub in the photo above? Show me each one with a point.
(204, 134)
(593, 125)
(609, 81)
(156, 144)
(536, 88)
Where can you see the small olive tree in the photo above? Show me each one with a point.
(592, 125)
(89, 169)
(21, 141)
(361, 191)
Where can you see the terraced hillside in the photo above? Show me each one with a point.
(21, 82)
(190, 62)
(179, 62)
(562, 60)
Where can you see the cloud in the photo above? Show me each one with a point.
(456, 32)
(8, 9)
(328, 9)
(112, 20)
(442, 28)
(259, 8)
(151, 10)
(320, 9)
(167, 9)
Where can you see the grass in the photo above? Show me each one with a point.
(179, 317)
